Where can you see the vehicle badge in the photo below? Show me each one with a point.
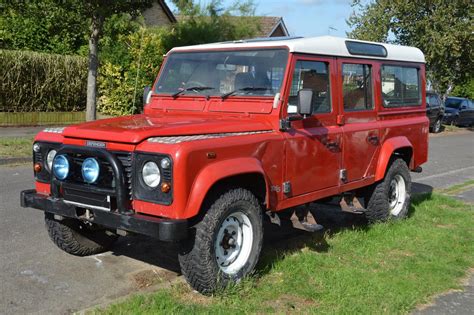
(95, 144)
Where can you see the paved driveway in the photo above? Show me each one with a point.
(38, 277)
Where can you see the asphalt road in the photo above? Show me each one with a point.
(37, 277)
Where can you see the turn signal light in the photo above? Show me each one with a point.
(38, 167)
(165, 187)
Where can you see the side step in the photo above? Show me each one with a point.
(302, 219)
(350, 203)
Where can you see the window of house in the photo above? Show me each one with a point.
(312, 75)
(357, 87)
(400, 86)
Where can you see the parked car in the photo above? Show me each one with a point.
(459, 111)
(434, 111)
(233, 133)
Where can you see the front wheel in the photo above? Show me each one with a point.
(390, 198)
(437, 126)
(227, 242)
(78, 238)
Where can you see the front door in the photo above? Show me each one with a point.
(313, 145)
(361, 128)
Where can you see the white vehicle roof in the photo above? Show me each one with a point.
(323, 45)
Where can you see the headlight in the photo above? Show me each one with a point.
(90, 170)
(61, 167)
(151, 174)
(50, 158)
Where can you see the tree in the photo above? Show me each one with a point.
(43, 26)
(66, 27)
(98, 11)
(212, 23)
(441, 29)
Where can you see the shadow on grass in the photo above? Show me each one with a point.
(278, 240)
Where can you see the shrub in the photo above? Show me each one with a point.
(39, 82)
(121, 85)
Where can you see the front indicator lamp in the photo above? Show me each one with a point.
(37, 167)
(61, 167)
(36, 147)
(165, 187)
(165, 163)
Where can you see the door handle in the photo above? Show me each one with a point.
(373, 139)
(332, 145)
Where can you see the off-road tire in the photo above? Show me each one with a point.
(197, 255)
(74, 237)
(377, 197)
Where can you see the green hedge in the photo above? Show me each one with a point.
(39, 82)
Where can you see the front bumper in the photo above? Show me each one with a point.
(161, 229)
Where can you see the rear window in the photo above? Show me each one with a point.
(400, 86)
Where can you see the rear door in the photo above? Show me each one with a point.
(361, 130)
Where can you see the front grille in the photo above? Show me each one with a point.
(127, 163)
(106, 177)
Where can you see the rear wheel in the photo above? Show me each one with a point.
(390, 198)
(227, 243)
(78, 238)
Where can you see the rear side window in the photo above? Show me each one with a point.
(400, 86)
(357, 87)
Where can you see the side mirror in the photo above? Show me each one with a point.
(146, 95)
(305, 102)
(463, 107)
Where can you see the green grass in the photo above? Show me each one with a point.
(15, 147)
(384, 268)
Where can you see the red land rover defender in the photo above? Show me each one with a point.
(232, 132)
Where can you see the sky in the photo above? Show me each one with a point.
(309, 17)
(305, 17)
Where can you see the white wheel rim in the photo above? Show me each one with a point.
(397, 194)
(233, 243)
(437, 125)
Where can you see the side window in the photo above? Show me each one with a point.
(311, 75)
(357, 87)
(432, 101)
(400, 86)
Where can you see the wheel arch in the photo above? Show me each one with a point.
(393, 147)
(245, 173)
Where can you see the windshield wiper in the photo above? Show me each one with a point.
(192, 88)
(245, 89)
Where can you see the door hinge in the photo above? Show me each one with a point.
(343, 175)
(285, 124)
(286, 187)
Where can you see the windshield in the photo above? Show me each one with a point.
(453, 103)
(224, 73)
